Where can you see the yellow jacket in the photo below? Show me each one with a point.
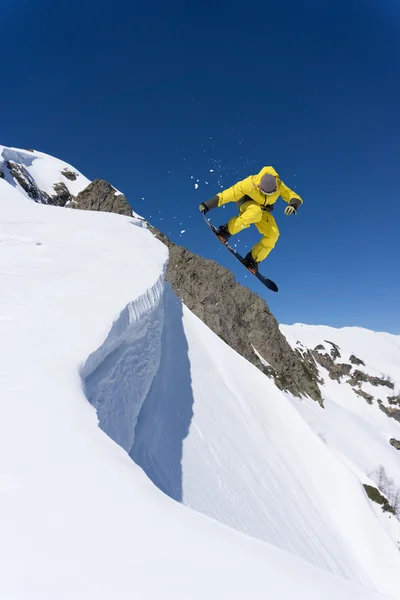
(249, 187)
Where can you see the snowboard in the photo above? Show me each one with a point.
(264, 280)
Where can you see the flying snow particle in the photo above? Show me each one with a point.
(196, 185)
(183, 230)
(211, 170)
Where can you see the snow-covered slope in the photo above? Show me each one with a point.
(85, 314)
(357, 427)
(248, 460)
(41, 169)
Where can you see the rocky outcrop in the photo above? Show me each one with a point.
(375, 495)
(21, 176)
(390, 411)
(395, 443)
(62, 196)
(394, 400)
(364, 395)
(100, 195)
(356, 361)
(335, 370)
(307, 356)
(359, 377)
(71, 175)
(239, 317)
(335, 352)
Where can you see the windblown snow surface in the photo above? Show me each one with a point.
(91, 335)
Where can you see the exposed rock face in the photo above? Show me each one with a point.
(395, 443)
(336, 370)
(100, 195)
(335, 352)
(375, 495)
(239, 317)
(359, 377)
(364, 395)
(389, 411)
(394, 399)
(21, 175)
(62, 196)
(71, 175)
(356, 361)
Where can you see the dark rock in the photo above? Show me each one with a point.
(335, 352)
(364, 395)
(100, 195)
(239, 317)
(308, 358)
(395, 443)
(374, 494)
(71, 175)
(335, 370)
(394, 413)
(22, 176)
(359, 377)
(394, 399)
(319, 347)
(1, 174)
(63, 195)
(356, 361)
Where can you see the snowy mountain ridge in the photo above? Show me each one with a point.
(82, 520)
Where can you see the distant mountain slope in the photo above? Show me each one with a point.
(360, 384)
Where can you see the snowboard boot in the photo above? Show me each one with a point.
(250, 263)
(223, 233)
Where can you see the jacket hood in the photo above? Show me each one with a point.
(265, 171)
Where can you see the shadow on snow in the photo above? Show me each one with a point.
(165, 417)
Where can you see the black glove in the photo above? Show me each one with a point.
(290, 210)
(293, 207)
(209, 204)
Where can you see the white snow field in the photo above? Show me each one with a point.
(85, 315)
(44, 169)
(357, 432)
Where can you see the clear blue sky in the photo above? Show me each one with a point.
(148, 95)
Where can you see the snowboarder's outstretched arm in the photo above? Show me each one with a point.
(291, 198)
(209, 204)
(232, 194)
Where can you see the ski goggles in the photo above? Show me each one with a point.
(267, 193)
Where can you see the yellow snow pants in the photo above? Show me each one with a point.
(251, 212)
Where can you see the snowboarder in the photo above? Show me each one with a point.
(255, 197)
